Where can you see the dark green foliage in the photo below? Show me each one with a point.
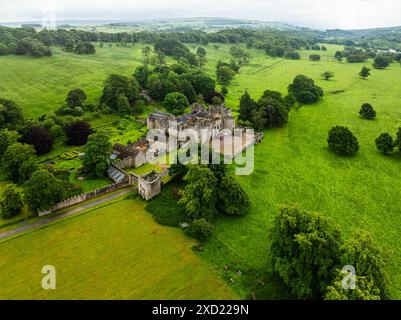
(4, 50)
(305, 250)
(142, 74)
(200, 229)
(272, 111)
(40, 138)
(327, 75)
(224, 90)
(75, 98)
(224, 75)
(364, 73)
(84, 48)
(117, 86)
(368, 260)
(97, 154)
(367, 111)
(10, 115)
(385, 143)
(14, 158)
(43, 191)
(77, 133)
(304, 90)
(342, 141)
(364, 289)
(32, 47)
(233, 200)
(176, 103)
(10, 202)
(199, 194)
(292, 55)
(178, 171)
(7, 138)
(381, 62)
(315, 57)
(338, 55)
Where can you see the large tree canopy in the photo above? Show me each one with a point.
(42, 191)
(306, 247)
(304, 90)
(117, 86)
(97, 154)
(10, 115)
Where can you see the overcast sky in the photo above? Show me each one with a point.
(320, 13)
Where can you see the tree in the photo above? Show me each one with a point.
(339, 56)
(292, 55)
(116, 86)
(13, 159)
(77, 133)
(233, 200)
(315, 57)
(367, 111)
(381, 62)
(10, 202)
(176, 103)
(305, 250)
(224, 90)
(342, 141)
(385, 143)
(368, 260)
(199, 194)
(272, 111)
(84, 48)
(225, 75)
(201, 53)
(201, 229)
(40, 138)
(142, 74)
(10, 115)
(364, 289)
(7, 138)
(327, 75)
(43, 191)
(304, 90)
(246, 107)
(97, 154)
(364, 73)
(76, 98)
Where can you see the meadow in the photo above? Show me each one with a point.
(114, 252)
(292, 164)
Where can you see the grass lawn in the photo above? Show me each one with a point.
(116, 252)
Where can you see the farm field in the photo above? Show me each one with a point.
(292, 165)
(114, 252)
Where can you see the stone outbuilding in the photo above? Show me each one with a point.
(150, 185)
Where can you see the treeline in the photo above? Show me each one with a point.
(28, 41)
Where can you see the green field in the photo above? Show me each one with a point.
(293, 164)
(116, 252)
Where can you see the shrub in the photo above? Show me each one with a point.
(385, 143)
(201, 229)
(314, 57)
(367, 111)
(342, 141)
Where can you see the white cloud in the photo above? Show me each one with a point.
(330, 13)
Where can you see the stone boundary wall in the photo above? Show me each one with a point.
(86, 196)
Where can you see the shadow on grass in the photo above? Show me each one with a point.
(164, 207)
